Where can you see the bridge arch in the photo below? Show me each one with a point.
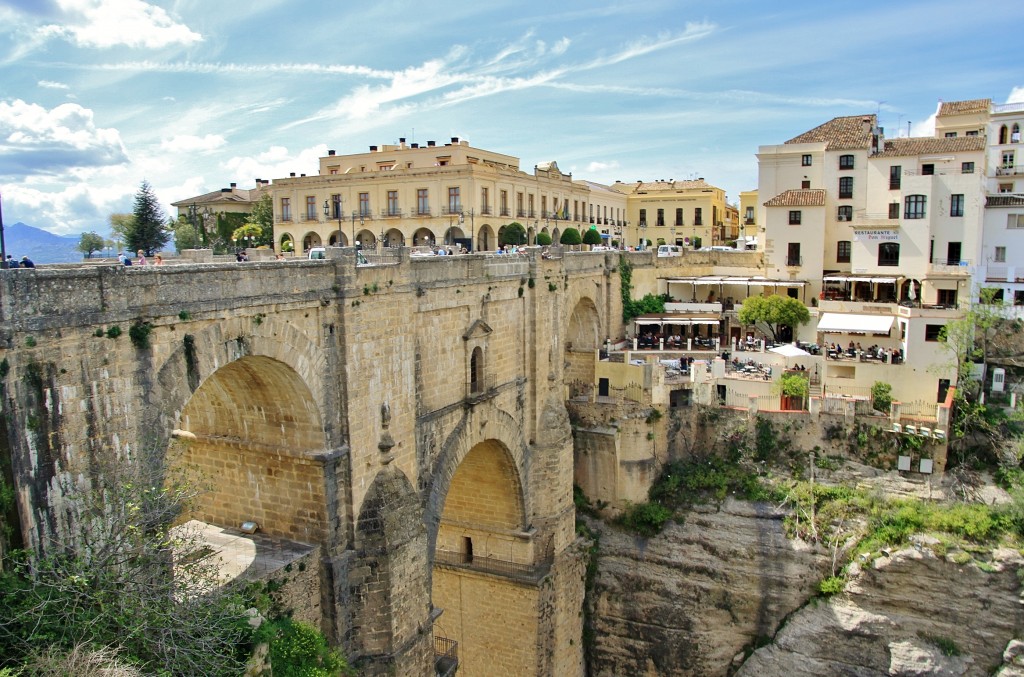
(582, 340)
(249, 411)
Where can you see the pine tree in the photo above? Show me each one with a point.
(148, 230)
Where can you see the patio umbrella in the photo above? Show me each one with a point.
(789, 350)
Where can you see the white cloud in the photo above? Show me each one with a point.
(276, 161)
(185, 143)
(925, 128)
(598, 167)
(49, 84)
(111, 23)
(33, 139)
(1016, 95)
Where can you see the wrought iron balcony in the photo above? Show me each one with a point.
(446, 656)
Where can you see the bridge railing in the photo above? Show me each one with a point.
(490, 565)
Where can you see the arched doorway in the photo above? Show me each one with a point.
(286, 243)
(485, 239)
(338, 239)
(394, 238)
(582, 341)
(366, 238)
(310, 240)
(423, 236)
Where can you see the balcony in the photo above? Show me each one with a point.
(529, 573)
(794, 260)
(485, 210)
(521, 213)
(423, 211)
(451, 210)
(504, 211)
(1009, 170)
(446, 656)
(391, 213)
(951, 267)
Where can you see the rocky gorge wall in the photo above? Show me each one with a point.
(697, 599)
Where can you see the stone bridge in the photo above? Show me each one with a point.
(406, 420)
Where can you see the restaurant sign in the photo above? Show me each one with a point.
(887, 235)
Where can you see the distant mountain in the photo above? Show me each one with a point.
(40, 245)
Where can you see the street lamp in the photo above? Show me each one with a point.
(337, 210)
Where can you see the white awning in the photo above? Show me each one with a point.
(718, 280)
(849, 322)
(683, 321)
(858, 278)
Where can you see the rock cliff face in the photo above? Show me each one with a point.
(687, 601)
(912, 613)
(694, 600)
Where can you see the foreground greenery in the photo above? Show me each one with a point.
(124, 589)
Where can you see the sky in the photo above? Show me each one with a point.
(97, 96)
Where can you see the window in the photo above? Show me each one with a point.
(1014, 221)
(894, 210)
(973, 132)
(805, 160)
(503, 197)
(1000, 255)
(846, 187)
(476, 371)
(1005, 187)
(519, 205)
(679, 215)
(846, 162)
(805, 184)
(661, 217)
(643, 217)
(393, 203)
(794, 217)
(311, 208)
(454, 200)
(927, 169)
(1018, 298)
(793, 254)
(698, 220)
(845, 213)
(895, 175)
(966, 167)
(364, 204)
(422, 201)
(950, 135)
(946, 297)
(485, 201)
(1007, 159)
(749, 218)
(932, 331)
(956, 204)
(336, 206)
(843, 250)
(1015, 134)
(530, 202)
(286, 209)
(953, 253)
(914, 206)
(889, 254)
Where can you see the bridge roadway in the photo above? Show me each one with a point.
(407, 420)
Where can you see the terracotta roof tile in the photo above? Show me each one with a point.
(844, 133)
(804, 197)
(927, 145)
(964, 107)
(666, 186)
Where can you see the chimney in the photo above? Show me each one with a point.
(455, 139)
(234, 185)
(258, 182)
(292, 175)
(415, 145)
(430, 144)
(225, 190)
(401, 140)
(330, 153)
(373, 149)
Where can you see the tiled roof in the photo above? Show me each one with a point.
(964, 107)
(804, 197)
(655, 186)
(927, 145)
(1004, 201)
(221, 196)
(845, 133)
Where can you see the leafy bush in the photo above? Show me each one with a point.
(645, 519)
(300, 650)
(570, 236)
(113, 332)
(881, 396)
(543, 239)
(592, 237)
(833, 585)
(139, 334)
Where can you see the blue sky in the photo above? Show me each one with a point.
(191, 95)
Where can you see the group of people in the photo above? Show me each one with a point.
(874, 352)
(25, 262)
(126, 259)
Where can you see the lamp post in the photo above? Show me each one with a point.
(337, 211)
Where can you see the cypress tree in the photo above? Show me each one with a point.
(148, 230)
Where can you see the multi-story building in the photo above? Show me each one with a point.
(750, 231)
(884, 232)
(412, 194)
(674, 212)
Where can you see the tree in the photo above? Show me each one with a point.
(543, 239)
(121, 577)
(570, 236)
(185, 235)
(263, 216)
(592, 237)
(148, 231)
(90, 242)
(773, 313)
(251, 231)
(120, 225)
(513, 233)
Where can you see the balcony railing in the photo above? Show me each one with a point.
(485, 210)
(504, 211)
(451, 211)
(446, 656)
(794, 260)
(423, 211)
(498, 567)
(391, 213)
(1009, 170)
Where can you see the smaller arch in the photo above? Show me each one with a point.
(286, 243)
(1002, 134)
(556, 235)
(366, 238)
(485, 239)
(338, 239)
(476, 371)
(310, 240)
(394, 238)
(423, 236)
(452, 234)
